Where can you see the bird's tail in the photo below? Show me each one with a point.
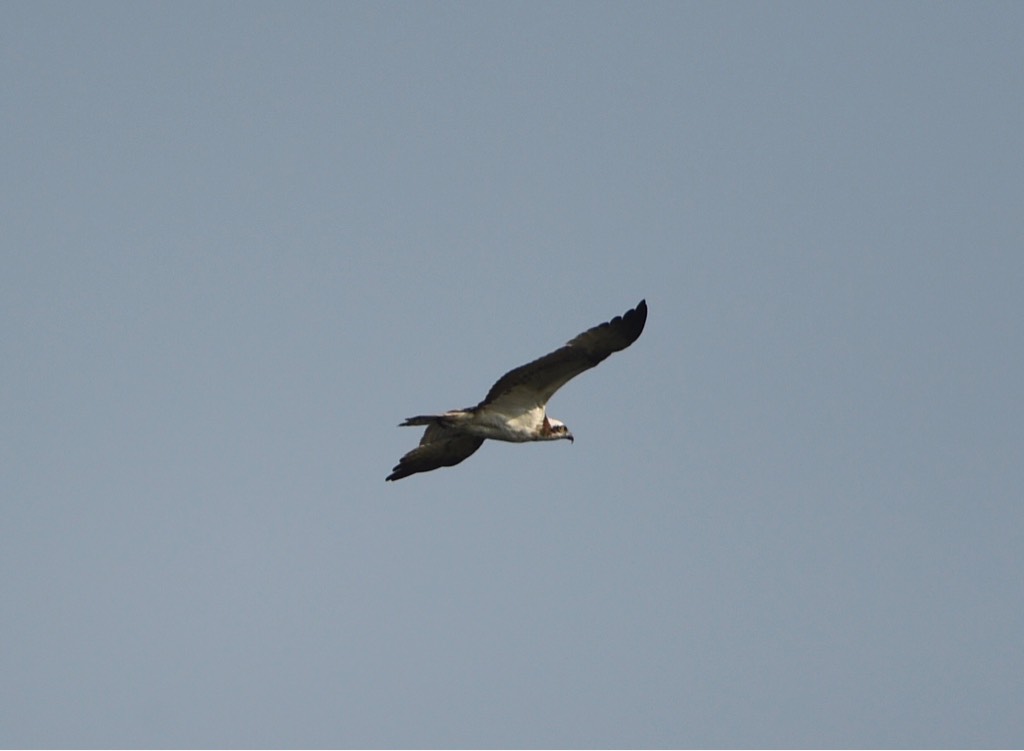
(420, 420)
(448, 419)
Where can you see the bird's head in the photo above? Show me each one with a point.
(559, 430)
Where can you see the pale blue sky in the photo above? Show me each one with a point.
(241, 242)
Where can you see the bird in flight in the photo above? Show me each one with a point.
(515, 409)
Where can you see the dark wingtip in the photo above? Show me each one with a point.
(638, 316)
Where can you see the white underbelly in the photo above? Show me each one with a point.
(517, 429)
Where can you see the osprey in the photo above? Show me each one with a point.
(515, 407)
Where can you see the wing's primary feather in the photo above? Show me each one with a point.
(537, 381)
(439, 447)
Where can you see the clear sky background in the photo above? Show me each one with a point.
(241, 242)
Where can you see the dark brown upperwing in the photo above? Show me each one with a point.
(440, 447)
(537, 381)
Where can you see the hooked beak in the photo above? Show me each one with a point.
(569, 437)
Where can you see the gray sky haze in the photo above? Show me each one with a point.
(242, 241)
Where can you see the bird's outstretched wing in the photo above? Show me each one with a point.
(531, 385)
(440, 447)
